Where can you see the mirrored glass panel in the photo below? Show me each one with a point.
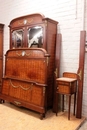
(35, 36)
(17, 38)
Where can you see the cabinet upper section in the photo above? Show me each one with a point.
(31, 31)
(30, 20)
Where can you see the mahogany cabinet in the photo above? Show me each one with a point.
(32, 31)
(35, 31)
(1, 53)
(25, 80)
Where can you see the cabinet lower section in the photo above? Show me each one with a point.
(26, 94)
(25, 81)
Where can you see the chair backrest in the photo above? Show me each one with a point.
(70, 75)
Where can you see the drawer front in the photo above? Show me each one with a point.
(63, 89)
(25, 91)
(66, 88)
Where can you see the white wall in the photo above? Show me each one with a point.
(69, 15)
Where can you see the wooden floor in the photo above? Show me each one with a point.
(15, 118)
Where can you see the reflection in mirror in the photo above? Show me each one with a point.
(17, 38)
(35, 36)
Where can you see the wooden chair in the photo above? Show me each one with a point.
(67, 85)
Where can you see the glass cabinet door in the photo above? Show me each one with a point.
(35, 36)
(17, 39)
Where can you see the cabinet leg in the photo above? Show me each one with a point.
(42, 115)
(62, 103)
(74, 103)
(69, 107)
(56, 103)
(2, 101)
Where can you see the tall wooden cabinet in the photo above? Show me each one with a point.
(37, 31)
(1, 53)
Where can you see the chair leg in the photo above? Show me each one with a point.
(62, 103)
(69, 107)
(74, 103)
(56, 103)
